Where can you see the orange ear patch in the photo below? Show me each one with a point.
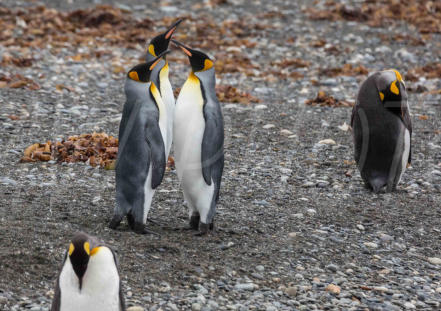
(71, 249)
(152, 50)
(393, 88)
(381, 96)
(208, 64)
(133, 75)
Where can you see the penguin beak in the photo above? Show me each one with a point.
(158, 59)
(184, 48)
(172, 29)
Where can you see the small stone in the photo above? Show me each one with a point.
(196, 307)
(291, 291)
(332, 267)
(244, 286)
(360, 227)
(135, 308)
(344, 127)
(370, 244)
(434, 260)
(286, 132)
(261, 107)
(311, 211)
(260, 268)
(438, 290)
(268, 126)
(327, 142)
(409, 305)
(334, 289)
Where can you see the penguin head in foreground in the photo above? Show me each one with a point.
(141, 72)
(199, 61)
(159, 44)
(391, 88)
(81, 249)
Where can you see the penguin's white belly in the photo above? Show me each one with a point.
(406, 151)
(189, 129)
(169, 102)
(100, 290)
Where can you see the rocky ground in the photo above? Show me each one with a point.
(297, 230)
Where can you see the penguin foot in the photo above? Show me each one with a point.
(205, 228)
(194, 222)
(131, 221)
(114, 223)
(140, 228)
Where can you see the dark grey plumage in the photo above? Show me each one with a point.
(379, 129)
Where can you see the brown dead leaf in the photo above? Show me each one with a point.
(13, 117)
(423, 117)
(230, 94)
(346, 70)
(323, 99)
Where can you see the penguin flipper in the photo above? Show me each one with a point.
(157, 152)
(405, 117)
(57, 295)
(212, 145)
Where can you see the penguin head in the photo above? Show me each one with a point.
(159, 44)
(141, 72)
(391, 88)
(199, 61)
(81, 249)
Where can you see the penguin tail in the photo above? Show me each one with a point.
(377, 183)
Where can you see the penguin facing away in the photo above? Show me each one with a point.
(382, 130)
(199, 139)
(142, 136)
(89, 278)
(158, 45)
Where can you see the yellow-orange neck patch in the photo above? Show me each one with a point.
(94, 251)
(134, 75)
(381, 96)
(398, 75)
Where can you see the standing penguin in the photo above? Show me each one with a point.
(199, 139)
(158, 45)
(382, 129)
(89, 278)
(141, 154)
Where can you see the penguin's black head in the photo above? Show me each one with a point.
(391, 88)
(141, 72)
(159, 44)
(199, 61)
(79, 253)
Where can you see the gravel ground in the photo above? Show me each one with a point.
(297, 230)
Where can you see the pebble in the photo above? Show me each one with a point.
(244, 286)
(291, 291)
(135, 308)
(260, 268)
(327, 141)
(196, 307)
(268, 126)
(8, 181)
(434, 260)
(371, 244)
(334, 289)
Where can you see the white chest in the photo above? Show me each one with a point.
(100, 288)
(189, 126)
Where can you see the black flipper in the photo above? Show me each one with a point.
(157, 149)
(57, 296)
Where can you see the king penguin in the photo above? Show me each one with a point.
(89, 279)
(199, 139)
(142, 136)
(382, 130)
(158, 45)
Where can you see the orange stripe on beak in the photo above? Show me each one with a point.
(186, 51)
(170, 32)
